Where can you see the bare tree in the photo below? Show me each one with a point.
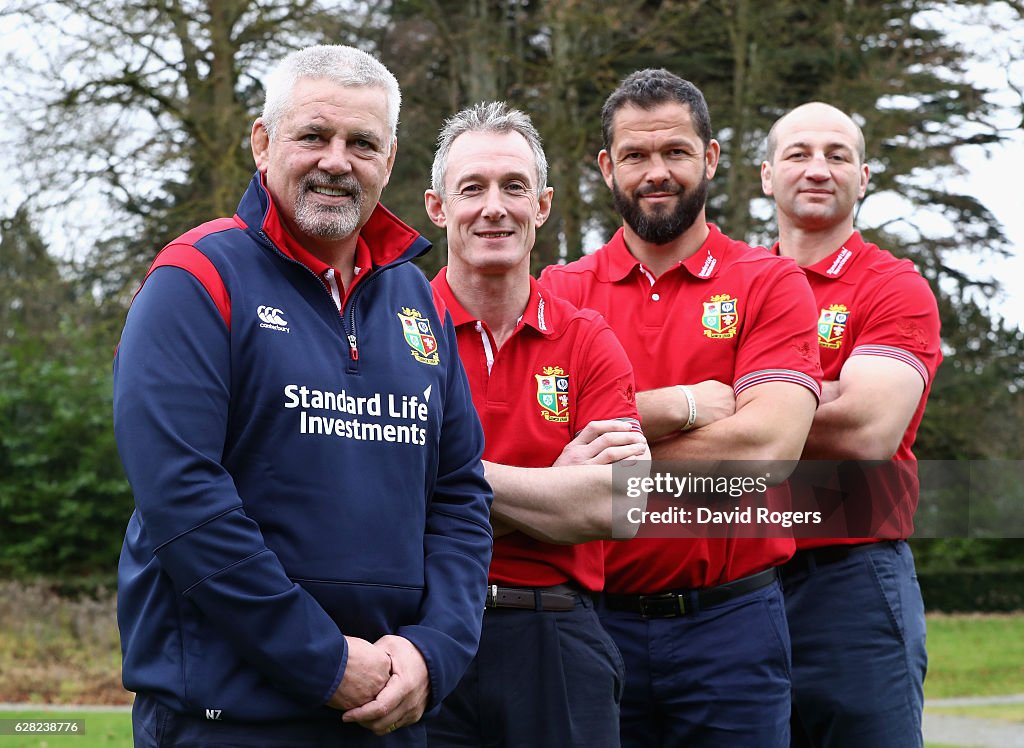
(134, 115)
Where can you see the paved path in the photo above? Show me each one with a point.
(947, 729)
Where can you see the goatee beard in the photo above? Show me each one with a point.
(661, 226)
(324, 221)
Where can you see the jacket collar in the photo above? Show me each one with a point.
(383, 240)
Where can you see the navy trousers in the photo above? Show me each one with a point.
(540, 679)
(859, 658)
(716, 678)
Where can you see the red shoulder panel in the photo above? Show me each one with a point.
(192, 261)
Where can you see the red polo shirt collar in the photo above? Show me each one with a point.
(703, 264)
(538, 313)
(839, 262)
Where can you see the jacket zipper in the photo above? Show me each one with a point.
(350, 329)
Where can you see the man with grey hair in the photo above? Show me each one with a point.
(308, 555)
(555, 392)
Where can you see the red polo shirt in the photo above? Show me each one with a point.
(872, 304)
(729, 312)
(561, 369)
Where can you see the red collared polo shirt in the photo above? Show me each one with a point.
(871, 303)
(560, 369)
(729, 312)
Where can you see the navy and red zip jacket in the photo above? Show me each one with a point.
(299, 474)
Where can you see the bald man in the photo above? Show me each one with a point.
(856, 617)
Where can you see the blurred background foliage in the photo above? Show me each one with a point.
(130, 126)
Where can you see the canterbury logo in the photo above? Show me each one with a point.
(271, 318)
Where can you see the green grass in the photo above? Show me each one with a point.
(102, 730)
(975, 655)
(54, 651)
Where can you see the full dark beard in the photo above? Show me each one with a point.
(661, 227)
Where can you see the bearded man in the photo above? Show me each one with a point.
(722, 341)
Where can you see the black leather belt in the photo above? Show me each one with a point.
(675, 604)
(809, 559)
(560, 597)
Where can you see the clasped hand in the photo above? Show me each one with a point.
(385, 685)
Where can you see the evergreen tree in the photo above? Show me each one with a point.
(63, 497)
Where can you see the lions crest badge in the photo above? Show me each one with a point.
(832, 326)
(721, 316)
(553, 394)
(419, 336)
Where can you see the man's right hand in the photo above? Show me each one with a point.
(366, 673)
(604, 442)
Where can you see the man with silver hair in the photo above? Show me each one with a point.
(308, 555)
(555, 392)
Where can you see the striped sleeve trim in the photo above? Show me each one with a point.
(888, 351)
(777, 375)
